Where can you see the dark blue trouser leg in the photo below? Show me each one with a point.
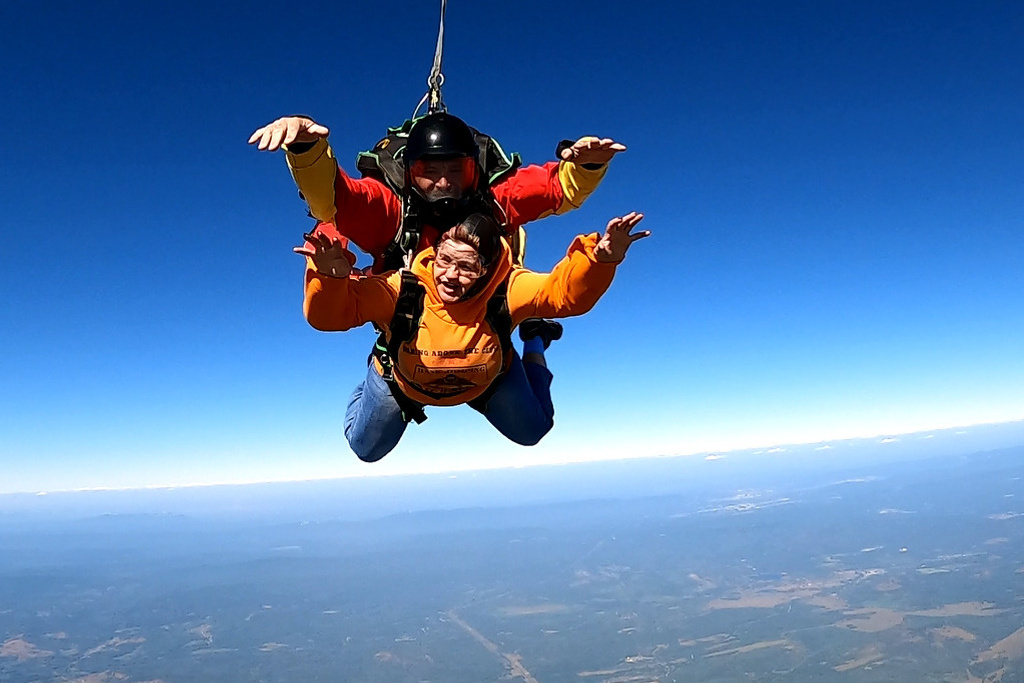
(373, 420)
(520, 407)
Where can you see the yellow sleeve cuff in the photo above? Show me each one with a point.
(314, 172)
(577, 184)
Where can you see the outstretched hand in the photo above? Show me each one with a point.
(328, 254)
(616, 241)
(592, 150)
(286, 130)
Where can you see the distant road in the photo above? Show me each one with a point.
(514, 661)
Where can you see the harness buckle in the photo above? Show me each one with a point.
(387, 369)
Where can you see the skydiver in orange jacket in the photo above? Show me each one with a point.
(454, 355)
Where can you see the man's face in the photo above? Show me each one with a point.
(443, 178)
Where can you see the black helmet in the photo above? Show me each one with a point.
(437, 138)
(440, 136)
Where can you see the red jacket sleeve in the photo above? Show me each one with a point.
(368, 213)
(363, 209)
(532, 192)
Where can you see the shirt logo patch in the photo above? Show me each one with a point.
(445, 382)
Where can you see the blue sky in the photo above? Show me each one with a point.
(835, 189)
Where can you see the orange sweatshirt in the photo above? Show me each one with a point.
(456, 355)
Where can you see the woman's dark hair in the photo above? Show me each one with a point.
(481, 232)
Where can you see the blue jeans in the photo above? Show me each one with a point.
(520, 408)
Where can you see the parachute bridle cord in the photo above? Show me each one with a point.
(436, 78)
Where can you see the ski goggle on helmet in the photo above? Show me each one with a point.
(460, 174)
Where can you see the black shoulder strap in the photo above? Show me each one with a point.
(404, 324)
(408, 311)
(500, 319)
(406, 240)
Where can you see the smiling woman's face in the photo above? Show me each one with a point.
(456, 267)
